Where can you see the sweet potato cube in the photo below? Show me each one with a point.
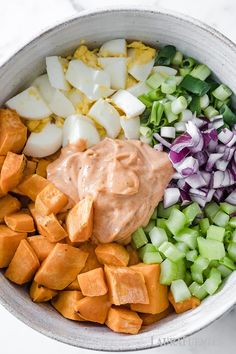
(20, 222)
(93, 283)
(79, 221)
(149, 318)
(12, 171)
(30, 168)
(50, 200)
(74, 285)
(94, 309)
(158, 293)
(112, 254)
(92, 261)
(185, 305)
(65, 303)
(2, 158)
(126, 286)
(13, 133)
(39, 293)
(133, 255)
(42, 167)
(41, 246)
(31, 186)
(123, 320)
(61, 267)
(8, 205)
(9, 241)
(23, 265)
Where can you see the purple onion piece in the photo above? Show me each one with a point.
(162, 140)
(171, 197)
(231, 199)
(212, 160)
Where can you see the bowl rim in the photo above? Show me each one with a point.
(50, 30)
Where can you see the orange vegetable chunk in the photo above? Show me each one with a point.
(13, 133)
(42, 168)
(126, 286)
(41, 246)
(74, 285)
(12, 171)
(23, 265)
(158, 293)
(185, 305)
(133, 255)
(149, 318)
(65, 303)
(50, 200)
(79, 221)
(61, 267)
(30, 168)
(93, 283)
(2, 158)
(112, 254)
(39, 293)
(123, 320)
(8, 205)
(92, 261)
(31, 186)
(20, 222)
(94, 309)
(9, 241)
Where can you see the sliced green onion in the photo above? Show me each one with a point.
(158, 236)
(228, 115)
(221, 218)
(152, 258)
(211, 209)
(194, 85)
(204, 225)
(178, 80)
(191, 211)
(228, 208)
(168, 132)
(165, 55)
(171, 117)
(171, 252)
(210, 112)
(165, 212)
(184, 71)
(232, 222)
(179, 105)
(149, 226)
(145, 100)
(139, 238)
(192, 255)
(222, 92)
(188, 63)
(216, 233)
(179, 290)
(188, 278)
(188, 236)
(210, 249)
(154, 214)
(168, 86)
(219, 104)
(204, 101)
(176, 221)
(155, 80)
(232, 251)
(155, 95)
(213, 282)
(201, 71)
(156, 112)
(232, 236)
(169, 271)
(195, 105)
(177, 59)
(198, 290)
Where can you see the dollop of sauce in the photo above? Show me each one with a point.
(126, 179)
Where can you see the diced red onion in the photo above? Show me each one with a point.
(221, 165)
(201, 201)
(225, 136)
(185, 198)
(232, 141)
(162, 140)
(176, 157)
(199, 122)
(218, 194)
(212, 160)
(218, 123)
(218, 177)
(197, 192)
(188, 167)
(158, 147)
(177, 175)
(181, 183)
(171, 197)
(196, 181)
(231, 199)
(202, 157)
(210, 195)
(206, 176)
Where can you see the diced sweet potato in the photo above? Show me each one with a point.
(20, 222)
(92, 261)
(12, 171)
(185, 305)
(31, 186)
(61, 217)
(74, 285)
(123, 320)
(79, 221)
(42, 167)
(2, 158)
(39, 293)
(30, 168)
(41, 246)
(133, 255)
(9, 241)
(94, 309)
(50, 200)
(8, 205)
(65, 303)
(149, 318)
(13, 133)
(93, 283)
(23, 265)
(112, 254)
(158, 293)
(48, 226)
(61, 267)
(126, 286)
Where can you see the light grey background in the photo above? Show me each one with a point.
(20, 20)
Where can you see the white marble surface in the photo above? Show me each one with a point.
(24, 19)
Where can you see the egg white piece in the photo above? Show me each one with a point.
(139, 89)
(114, 48)
(74, 96)
(117, 69)
(141, 71)
(131, 127)
(78, 127)
(29, 104)
(107, 116)
(164, 69)
(61, 105)
(44, 143)
(43, 85)
(56, 75)
(130, 105)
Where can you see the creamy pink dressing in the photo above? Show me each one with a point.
(126, 179)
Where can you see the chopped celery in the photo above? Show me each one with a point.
(188, 278)
(216, 233)
(176, 221)
(192, 255)
(232, 236)
(152, 257)
(179, 290)
(232, 222)
(210, 249)
(171, 252)
(181, 269)
(191, 211)
(182, 247)
(139, 238)
(221, 218)
(228, 208)
(162, 223)
(154, 214)
(225, 271)
(204, 225)
(165, 212)
(147, 248)
(211, 209)
(232, 251)
(198, 290)
(213, 282)
(158, 236)
(226, 261)
(199, 265)
(188, 236)
(169, 271)
(149, 226)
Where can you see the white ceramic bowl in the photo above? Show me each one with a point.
(153, 27)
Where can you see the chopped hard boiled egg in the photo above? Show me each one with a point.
(128, 103)
(78, 127)
(45, 143)
(61, 105)
(131, 127)
(75, 96)
(107, 116)
(114, 48)
(141, 71)
(87, 56)
(117, 69)
(29, 104)
(56, 73)
(164, 69)
(139, 89)
(43, 85)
